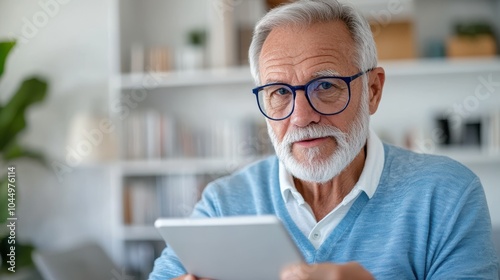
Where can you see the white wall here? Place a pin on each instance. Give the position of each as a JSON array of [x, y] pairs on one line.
[[67, 44]]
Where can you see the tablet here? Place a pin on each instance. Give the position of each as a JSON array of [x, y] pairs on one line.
[[231, 248]]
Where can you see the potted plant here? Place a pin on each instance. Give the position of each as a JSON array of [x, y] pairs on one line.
[[12, 122]]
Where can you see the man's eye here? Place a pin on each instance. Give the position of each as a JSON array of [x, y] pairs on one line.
[[325, 85], [282, 91]]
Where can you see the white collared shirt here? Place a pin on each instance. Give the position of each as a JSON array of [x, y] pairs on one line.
[[301, 212]]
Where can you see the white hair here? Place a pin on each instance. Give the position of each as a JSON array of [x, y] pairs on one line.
[[307, 12]]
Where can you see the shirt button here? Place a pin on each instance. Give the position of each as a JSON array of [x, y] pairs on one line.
[[316, 235]]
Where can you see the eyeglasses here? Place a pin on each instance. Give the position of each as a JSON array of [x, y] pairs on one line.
[[326, 95]]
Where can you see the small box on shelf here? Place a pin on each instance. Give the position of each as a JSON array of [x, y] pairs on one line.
[[395, 40], [467, 46], [472, 39]]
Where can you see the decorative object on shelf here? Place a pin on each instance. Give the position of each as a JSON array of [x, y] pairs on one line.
[[443, 127], [193, 54], [244, 39], [394, 40], [221, 44], [137, 58], [471, 39], [471, 133], [159, 59], [91, 139], [12, 122], [480, 131], [435, 48]]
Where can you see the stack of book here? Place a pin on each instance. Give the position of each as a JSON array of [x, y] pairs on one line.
[[152, 135], [147, 198]]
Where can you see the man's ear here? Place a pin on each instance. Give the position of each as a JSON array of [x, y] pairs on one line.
[[375, 85]]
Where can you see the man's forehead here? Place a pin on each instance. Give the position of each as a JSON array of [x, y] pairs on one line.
[[315, 46], [279, 67]]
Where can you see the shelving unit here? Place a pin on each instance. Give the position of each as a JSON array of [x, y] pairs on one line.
[[184, 103], [206, 96]]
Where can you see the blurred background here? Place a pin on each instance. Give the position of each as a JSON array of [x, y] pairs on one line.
[[148, 100]]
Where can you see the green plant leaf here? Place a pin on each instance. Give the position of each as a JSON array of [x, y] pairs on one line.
[[12, 115], [15, 151], [23, 255], [5, 48], [3, 200]]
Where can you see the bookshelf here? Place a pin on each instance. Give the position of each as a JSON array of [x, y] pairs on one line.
[[175, 176], [180, 126], [151, 107]]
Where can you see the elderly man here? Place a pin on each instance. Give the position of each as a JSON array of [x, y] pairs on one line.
[[356, 208]]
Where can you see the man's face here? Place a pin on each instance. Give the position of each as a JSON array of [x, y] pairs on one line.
[[315, 147]]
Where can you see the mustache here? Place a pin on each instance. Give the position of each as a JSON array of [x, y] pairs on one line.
[[312, 131]]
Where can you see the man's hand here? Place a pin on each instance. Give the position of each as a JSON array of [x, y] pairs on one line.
[[189, 277], [326, 271]]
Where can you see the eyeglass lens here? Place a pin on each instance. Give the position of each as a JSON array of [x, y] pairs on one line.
[[326, 95]]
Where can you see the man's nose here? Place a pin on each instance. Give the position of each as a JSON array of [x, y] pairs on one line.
[[303, 114]]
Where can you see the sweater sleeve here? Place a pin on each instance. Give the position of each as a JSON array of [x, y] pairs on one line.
[[168, 266], [464, 249]]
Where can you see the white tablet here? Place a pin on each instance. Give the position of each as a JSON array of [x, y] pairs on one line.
[[231, 248]]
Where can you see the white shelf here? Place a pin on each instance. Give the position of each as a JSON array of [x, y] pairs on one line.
[[141, 233], [184, 166], [204, 77], [470, 155], [241, 75], [440, 66]]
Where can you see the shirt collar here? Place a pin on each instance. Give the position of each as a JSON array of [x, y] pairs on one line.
[[368, 181]]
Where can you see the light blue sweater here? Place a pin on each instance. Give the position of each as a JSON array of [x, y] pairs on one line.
[[428, 219]]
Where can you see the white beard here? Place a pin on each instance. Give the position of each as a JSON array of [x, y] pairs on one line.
[[315, 169]]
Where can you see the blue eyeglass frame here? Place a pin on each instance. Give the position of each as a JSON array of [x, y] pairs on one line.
[[347, 80]]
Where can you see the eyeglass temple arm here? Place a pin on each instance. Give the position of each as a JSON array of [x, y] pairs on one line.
[[360, 74]]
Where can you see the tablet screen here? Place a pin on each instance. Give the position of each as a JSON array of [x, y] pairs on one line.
[[231, 248]]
